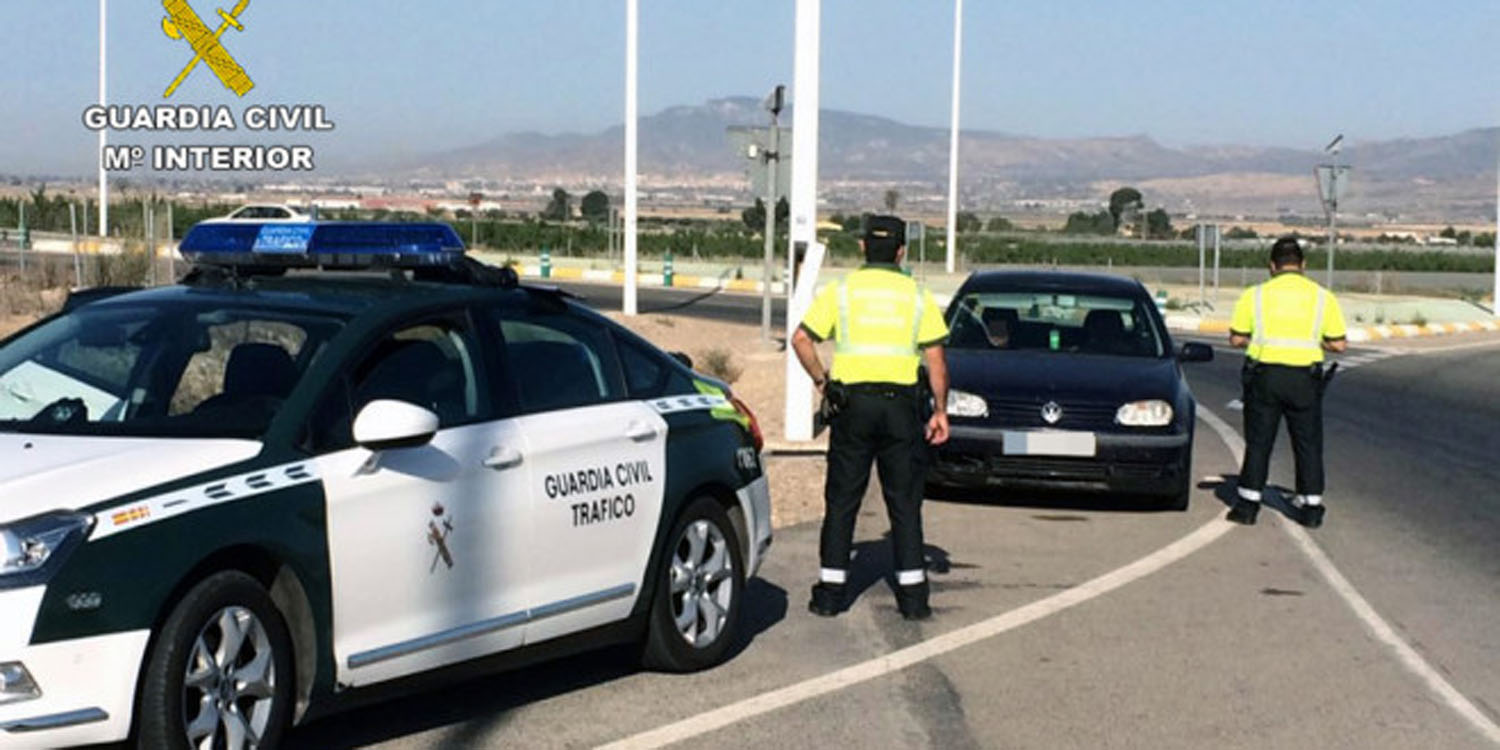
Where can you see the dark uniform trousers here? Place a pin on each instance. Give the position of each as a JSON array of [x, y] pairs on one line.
[[1273, 391], [880, 423]]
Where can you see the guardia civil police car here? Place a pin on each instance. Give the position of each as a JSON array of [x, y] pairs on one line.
[[228, 505]]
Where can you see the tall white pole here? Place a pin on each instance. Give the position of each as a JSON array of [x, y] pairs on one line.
[[103, 102], [1495, 300], [803, 234], [632, 31], [958, 47]]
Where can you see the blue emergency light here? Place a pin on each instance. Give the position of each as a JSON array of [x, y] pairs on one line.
[[322, 244]]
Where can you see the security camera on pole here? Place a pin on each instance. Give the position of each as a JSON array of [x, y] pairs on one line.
[[1332, 181]]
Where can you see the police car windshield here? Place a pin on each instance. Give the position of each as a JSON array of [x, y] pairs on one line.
[[1049, 321], [180, 369]]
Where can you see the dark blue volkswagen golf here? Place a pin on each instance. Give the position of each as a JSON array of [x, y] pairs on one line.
[[1067, 381]]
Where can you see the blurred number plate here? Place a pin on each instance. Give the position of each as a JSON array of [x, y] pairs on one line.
[[1049, 443]]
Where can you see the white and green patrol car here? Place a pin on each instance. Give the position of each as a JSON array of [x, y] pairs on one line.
[[227, 506]]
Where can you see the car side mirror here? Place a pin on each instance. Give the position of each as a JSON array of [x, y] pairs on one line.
[[683, 358], [386, 424], [1194, 352]]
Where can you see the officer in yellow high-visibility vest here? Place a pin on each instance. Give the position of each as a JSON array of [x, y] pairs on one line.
[[884, 325], [1285, 325]]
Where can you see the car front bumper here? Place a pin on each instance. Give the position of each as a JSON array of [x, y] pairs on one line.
[[1150, 464], [87, 684]]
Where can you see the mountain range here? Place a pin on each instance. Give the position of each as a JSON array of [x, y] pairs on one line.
[[1452, 176]]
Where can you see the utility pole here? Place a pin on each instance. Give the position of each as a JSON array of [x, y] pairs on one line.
[[1331, 174], [103, 138], [632, 34], [803, 228], [774, 104], [1495, 300], [958, 45]]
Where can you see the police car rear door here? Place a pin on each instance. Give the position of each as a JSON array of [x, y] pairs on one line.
[[427, 544], [597, 463]]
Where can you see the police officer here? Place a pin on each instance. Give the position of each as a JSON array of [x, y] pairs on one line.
[[884, 326], [1285, 325]]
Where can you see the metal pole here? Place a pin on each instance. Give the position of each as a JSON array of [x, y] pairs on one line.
[[774, 160], [632, 32], [1495, 300], [103, 102], [958, 43], [1333, 217], [24, 236], [73, 230], [1217, 236], [1202, 243], [151, 242], [171, 240]]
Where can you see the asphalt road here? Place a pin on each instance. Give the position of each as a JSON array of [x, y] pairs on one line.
[[1232, 637]]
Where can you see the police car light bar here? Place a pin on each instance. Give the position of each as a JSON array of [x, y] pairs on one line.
[[325, 244]]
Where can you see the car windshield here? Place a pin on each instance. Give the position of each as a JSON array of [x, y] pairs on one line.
[[1050, 321], [180, 369]]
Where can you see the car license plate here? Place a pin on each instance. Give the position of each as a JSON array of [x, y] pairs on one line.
[[1050, 443]]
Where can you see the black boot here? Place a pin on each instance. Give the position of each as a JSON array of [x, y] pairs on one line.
[[827, 599], [1244, 511], [912, 601], [1310, 516]]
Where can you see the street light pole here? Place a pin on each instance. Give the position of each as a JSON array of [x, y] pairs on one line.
[[958, 43], [632, 33], [103, 102], [1495, 299], [773, 161]]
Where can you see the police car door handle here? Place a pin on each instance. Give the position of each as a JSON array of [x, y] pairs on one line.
[[640, 432], [503, 458]]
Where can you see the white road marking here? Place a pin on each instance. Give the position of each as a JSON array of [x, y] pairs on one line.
[[772, 700], [1382, 630], [1387, 635], [1235, 405]]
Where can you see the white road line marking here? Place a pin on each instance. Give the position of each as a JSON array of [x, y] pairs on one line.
[[772, 700], [1235, 405], [1382, 631]]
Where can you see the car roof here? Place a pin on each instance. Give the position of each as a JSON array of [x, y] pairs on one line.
[[1068, 281], [341, 294]]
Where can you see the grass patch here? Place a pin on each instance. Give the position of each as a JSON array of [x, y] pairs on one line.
[[720, 364]]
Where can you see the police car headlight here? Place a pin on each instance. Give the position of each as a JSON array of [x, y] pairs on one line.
[[962, 404], [29, 548], [1152, 413]]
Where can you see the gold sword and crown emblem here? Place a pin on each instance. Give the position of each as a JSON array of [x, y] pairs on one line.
[[182, 22]]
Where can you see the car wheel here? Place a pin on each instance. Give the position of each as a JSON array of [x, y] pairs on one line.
[[220, 673], [1178, 501], [695, 616]]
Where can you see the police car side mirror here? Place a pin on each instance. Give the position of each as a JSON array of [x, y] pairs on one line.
[[386, 424], [1194, 352]]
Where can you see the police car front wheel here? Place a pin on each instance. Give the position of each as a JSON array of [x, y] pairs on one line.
[[696, 613], [220, 672]]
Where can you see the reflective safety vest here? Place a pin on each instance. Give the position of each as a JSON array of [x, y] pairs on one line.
[[880, 320], [1287, 320]]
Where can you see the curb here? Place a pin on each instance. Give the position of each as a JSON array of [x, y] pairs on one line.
[[1190, 324]]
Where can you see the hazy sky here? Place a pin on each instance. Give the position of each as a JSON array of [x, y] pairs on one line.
[[411, 77]]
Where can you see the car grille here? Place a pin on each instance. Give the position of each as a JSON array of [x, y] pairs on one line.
[[1075, 414]]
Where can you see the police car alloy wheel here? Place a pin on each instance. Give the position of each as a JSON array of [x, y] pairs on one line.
[[220, 673], [696, 614]]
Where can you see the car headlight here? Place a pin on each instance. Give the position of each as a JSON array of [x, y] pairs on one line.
[[1152, 413], [962, 404], [30, 548]]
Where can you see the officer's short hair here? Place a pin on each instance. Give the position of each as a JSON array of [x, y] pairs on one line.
[[883, 236], [1286, 252]]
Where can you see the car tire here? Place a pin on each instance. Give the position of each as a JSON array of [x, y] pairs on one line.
[[695, 615], [1178, 501], [187, 693]]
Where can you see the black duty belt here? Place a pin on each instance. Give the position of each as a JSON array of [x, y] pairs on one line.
[[883, 390]]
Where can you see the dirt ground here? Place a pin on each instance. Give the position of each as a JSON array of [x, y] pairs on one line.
[[758, 369]]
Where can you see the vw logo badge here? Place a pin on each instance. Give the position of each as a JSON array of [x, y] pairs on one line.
[[1051, 412]]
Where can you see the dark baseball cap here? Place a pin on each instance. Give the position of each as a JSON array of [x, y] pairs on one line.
[[885, 228]]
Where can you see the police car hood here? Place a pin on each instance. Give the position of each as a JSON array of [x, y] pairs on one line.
[[40, 473]]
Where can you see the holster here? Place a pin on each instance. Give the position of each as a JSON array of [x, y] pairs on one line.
[[835, 400]]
